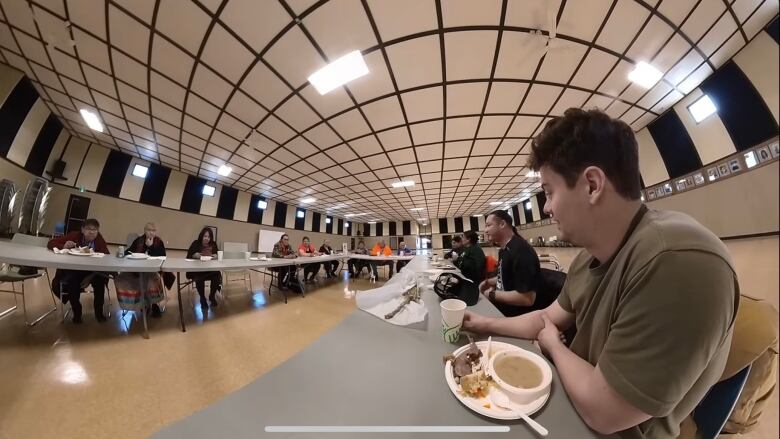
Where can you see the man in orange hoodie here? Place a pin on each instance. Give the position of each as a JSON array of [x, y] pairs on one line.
[[381, 249]]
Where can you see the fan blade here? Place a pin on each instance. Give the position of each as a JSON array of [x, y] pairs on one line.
[[552, 15]]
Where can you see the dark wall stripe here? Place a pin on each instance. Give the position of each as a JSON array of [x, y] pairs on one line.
[[541, 200], [44, 143], [459, 224], [226, 207], [340, 230], [516, 214], [675, 145], [255, 215], [13, 112], [280, 214], [300, 222], [328, 225], [380, 229], [193, 194], [366, 229], [407, 227], [316, 218], [443, 225], [740, 107], [529, 214], [392, 229], [474, 222], [154, 185], [774, 30], [113, 175], [349, 228]]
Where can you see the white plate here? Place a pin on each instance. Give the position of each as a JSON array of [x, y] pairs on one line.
[[478, 404], [137, 256], [75, 252]]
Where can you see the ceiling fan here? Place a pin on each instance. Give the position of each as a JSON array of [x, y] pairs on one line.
[[542, 43]]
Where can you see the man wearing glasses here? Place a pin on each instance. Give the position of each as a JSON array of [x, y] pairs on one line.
[[67, 284]]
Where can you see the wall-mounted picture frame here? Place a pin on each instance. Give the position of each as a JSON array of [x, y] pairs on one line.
[[680, 184], [698, 179], [774, 148], [689, 181], [651, 195], [734, 166], [723, 169], [750, 159], [659, 191], [763, 154], [712, 174], [667, 188]]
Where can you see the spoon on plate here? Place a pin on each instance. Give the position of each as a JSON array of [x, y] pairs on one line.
[[500, 399]]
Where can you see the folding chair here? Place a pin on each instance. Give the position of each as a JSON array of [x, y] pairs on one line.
[[9, 275], [236, 250], [714, 410]]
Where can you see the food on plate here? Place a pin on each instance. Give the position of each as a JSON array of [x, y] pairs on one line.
[[518, 372], [468, 372], [84, 249]]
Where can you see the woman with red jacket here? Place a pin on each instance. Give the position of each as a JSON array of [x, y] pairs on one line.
[[67, 284]]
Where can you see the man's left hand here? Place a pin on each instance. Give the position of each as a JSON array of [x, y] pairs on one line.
[[549, 337]]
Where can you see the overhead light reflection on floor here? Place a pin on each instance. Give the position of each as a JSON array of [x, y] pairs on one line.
[[258, 300], [71, 372]]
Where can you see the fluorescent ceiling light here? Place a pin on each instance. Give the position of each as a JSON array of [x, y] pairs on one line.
[[349, 215], [645, 75], [372, 222], [496, 203], [533, 174], [261, 204], [140, 171], [224, 170], [416, 209], [209, 190], [308, 200], [92, 120], [406, 183], [347, 68], [300, 214], [527, 205], [479, 214], [702, 108]]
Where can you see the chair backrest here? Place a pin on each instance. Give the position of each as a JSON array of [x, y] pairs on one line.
[[131, 237], [239, 247], [714, 410], [35, 241]]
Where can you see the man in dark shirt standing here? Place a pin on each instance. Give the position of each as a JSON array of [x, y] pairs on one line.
[[516, 289]]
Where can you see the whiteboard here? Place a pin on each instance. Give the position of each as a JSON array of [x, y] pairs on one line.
[[266, 240]]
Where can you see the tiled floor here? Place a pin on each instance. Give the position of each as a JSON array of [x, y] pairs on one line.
[[98, 380]]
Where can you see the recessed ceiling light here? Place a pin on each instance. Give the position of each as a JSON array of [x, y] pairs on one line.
[[224, 170], [347, 68], [308, 200], [349, 215], [209, 190], [140, 171], [416, 209], [533, 174], [262, 204], [92, 120], [372, 222], [406, 183], [496, 203], [476, 215], [528, 205], [702, 108], [645, 75]]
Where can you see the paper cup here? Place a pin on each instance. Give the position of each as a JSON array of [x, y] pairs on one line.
[[220, 255], [452, 311], [247, 255]]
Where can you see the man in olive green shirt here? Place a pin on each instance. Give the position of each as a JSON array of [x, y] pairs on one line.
[[653, 295]]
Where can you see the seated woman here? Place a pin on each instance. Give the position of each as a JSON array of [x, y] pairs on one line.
[[472, 259], [308, 250], [330, 266], [67, 284], [127, 283], [205, 246], [356, 265], [282, 249]]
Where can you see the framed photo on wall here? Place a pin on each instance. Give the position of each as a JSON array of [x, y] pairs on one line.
[[668, 188], [764, 154], [750, 159], [774, 148], [723, 169], [659, 191], [713, 174], [734, 166], [689, 181], [680, 185], [698, 179], [651, 194]]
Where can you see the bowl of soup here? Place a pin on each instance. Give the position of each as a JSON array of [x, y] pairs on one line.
[[524, 375]]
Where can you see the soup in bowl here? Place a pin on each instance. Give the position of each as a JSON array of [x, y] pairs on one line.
[[524, 375]]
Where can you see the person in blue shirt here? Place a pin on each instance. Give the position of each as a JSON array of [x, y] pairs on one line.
[[402, 251]]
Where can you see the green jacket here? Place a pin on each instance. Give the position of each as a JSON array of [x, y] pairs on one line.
[[472, 263]]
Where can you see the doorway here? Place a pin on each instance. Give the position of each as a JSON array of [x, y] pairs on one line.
[[76, 214]]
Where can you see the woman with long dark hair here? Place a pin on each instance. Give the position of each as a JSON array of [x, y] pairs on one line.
[[205, 245]]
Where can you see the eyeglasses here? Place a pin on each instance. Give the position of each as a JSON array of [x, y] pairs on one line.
[[90, 229]]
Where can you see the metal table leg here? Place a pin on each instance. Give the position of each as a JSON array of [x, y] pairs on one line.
[[181, 308]]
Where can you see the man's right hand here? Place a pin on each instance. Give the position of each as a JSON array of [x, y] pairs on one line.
[[475, 322], [70, 244]]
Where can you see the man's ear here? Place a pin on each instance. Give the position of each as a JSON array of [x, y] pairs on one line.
[[595, 182]]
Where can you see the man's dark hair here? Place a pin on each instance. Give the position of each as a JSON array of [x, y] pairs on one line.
[[457, 238], [471, 236], [504, 216], [91, 222], [305, 238], [582, 138]]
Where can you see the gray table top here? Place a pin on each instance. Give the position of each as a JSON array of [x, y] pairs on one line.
[[181, 264], [366, 372], [42, 257]]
